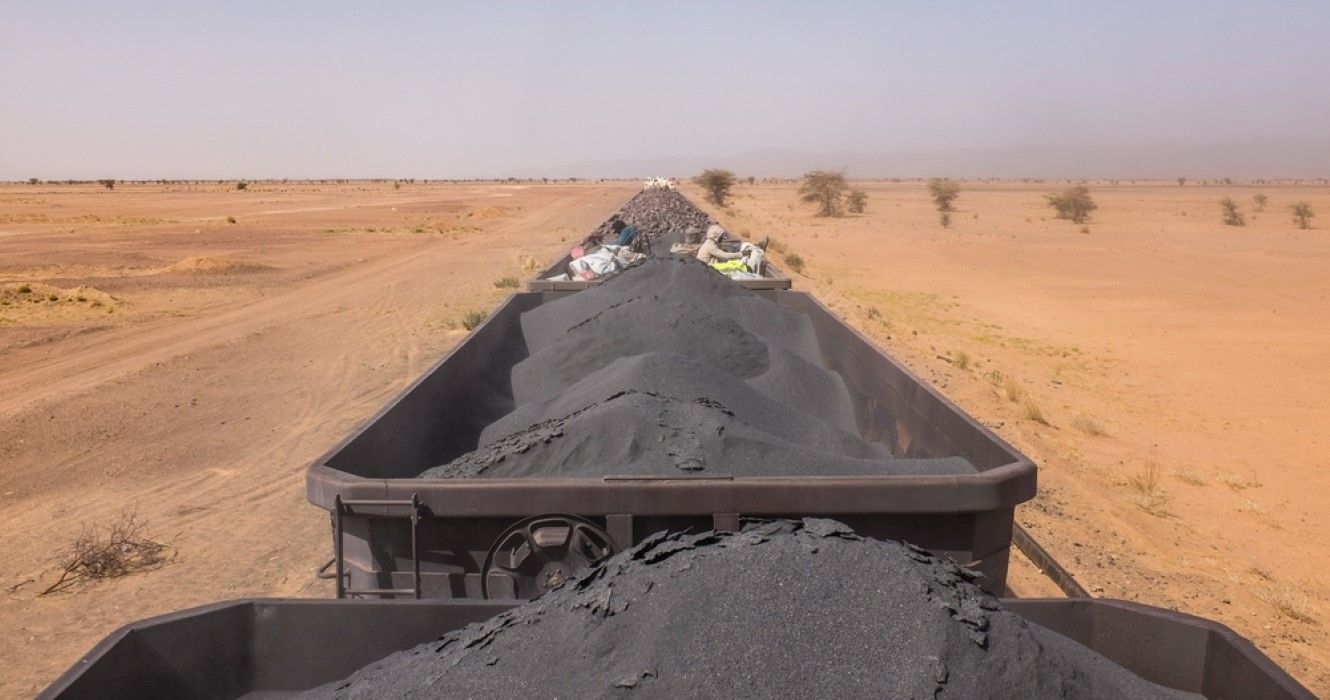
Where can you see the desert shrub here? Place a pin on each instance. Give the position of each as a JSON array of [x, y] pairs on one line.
[[1232, 217], [961, 359], [1302, 215], [1013, 390], [752, 180], [1182, 181], [857, 202], [945, 219], [1033, 412], [25, 289], [1089, 425], [107, 183], [794, 262], [944, 193], [1149, 488], [230, 219], [242, 185], [1260, 200], [53, 297], [826, 189], [473, 318], [120, 548], [1074, 204], [508, 282], [716, 183]]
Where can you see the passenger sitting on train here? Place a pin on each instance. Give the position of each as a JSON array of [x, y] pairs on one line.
[[625, 232], [711, 252]]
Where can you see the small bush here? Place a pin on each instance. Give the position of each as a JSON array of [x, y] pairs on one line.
[[794, 262], [509, 282], [1150, 494], [242, 185], [1260, 200], [825, 188], [857, 202], [1074, 204], [1013, 390], [108, 184], [1033, 412], [121, 548], [1190, 476], [473, 318], [53, 297], [1289, 602], [961, 359], [230, 219], [1232, 217], [1302, 215], [945, 219], [1089, 425], [25, 289]]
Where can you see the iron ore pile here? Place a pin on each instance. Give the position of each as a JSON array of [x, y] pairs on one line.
[[669, 368], [780, 609], [662, 213]]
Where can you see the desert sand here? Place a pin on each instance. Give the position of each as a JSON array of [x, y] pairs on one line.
[[190, 368]]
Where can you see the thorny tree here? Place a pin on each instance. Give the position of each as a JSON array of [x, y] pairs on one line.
[[826, 189]]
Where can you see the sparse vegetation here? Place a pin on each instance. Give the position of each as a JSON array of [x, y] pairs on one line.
[[716, 182], [1074, 204], [25, 289], [1085, 229], [1013, 390], [1190, 476], [1232, 217], [944, 193], [794, 262], [1033, 412], [776, 246], [473, 318], [857, 202], [1302, 215], [121, 548], [1238, 482], [1289, 602], [1149, 489], [507, 282], [826, 189], [242, 185], [107, 183], [1182, 181], [1260, 200], [230, 219], [961, 359], [1089, 425]]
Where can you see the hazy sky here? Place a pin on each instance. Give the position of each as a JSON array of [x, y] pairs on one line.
[[433, 89]]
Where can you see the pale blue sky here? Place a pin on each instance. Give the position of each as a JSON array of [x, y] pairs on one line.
[[294, 89]]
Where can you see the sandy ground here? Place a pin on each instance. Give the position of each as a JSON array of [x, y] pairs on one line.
[[1180, 366], [197, 393], [190, 368]]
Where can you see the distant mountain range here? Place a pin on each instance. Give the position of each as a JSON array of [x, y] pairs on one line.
[[1251, 159]]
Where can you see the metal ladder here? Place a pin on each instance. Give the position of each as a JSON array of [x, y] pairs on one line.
[[346, 507]]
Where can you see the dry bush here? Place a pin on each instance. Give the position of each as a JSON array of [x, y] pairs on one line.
[[1232, 217], [776, 246], [1089, 425], [717, 183], [1238, 482], [530, 264], [1290, 602], [1260, 200], [120, 548], [1302, 215], [473, 318], [230, 219], [794, 262], [1013, 389], [1190, 476], [1033, 412], [1150, 494], [826, 188], [1074, 204], [857, 201], [507, 282], [961, 359]]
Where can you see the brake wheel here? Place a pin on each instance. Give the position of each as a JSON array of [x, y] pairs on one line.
[[540, 554]]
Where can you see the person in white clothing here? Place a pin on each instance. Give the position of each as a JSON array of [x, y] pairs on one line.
[[711, 251]]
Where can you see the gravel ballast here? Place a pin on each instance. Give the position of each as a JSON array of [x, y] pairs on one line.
[[781, 609]]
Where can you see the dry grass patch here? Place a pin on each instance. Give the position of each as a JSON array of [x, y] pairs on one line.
[[473, 318], [1089, 425], [1238, 482], [508, 282], [1013, 390], [1190, 476], [116, 550], [1033, 412], [1290, 602], [794, 262], [961, 359], [1148, 487]]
